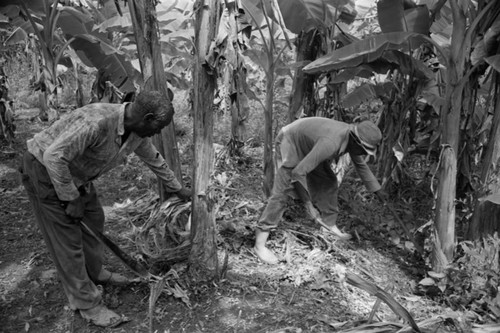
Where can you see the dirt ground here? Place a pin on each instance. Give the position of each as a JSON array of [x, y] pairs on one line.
[[304, 293]]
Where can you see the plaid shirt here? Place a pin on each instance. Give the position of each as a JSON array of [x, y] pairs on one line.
[[86, 143]]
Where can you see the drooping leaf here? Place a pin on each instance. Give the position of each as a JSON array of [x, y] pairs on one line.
[[494, 198], [362, 51], [366, 92], [34, 5], [116, 23], [399, 16], [390, 14], [304, 15], [257, 56], [384, 296], [478, 54], [494, 61], [252, 9], [393, 17], [17, 36], [349, 73], [417, 19], [361, 94], [116, 67], [3, 18], [95, 50], [408, 64]]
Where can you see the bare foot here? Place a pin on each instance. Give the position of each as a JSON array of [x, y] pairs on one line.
[[100, 315], [336, 231], [106, 276], [266, 255]]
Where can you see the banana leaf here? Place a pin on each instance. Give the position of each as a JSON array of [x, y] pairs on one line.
[[304, 15], [314, 13], [363, 51], [494, 61], [92, 47], [17, 36], [367, 92], [96, 50], [393, 17]]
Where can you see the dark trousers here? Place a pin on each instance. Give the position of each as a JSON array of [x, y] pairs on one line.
[[76, 254], [322, 186]]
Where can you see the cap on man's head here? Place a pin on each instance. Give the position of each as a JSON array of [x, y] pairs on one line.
[[369, 136]]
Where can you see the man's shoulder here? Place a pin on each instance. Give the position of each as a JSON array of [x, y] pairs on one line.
[[103, 109], [96, 112], [307, 121]]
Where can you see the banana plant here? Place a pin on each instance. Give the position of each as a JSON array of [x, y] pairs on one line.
[[42, 18], [315, 22], [267, 50], [226, 61], [396, 56], [380, 54], [57, 28], [470, 23]]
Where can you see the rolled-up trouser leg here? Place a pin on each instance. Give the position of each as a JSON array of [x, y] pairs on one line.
[[323, 186], [276, 204], [62, 235]]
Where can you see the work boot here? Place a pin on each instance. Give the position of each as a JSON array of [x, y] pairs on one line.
[[265, 255]]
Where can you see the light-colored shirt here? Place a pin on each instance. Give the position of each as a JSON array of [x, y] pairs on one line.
[[86, 143], [308, 142]]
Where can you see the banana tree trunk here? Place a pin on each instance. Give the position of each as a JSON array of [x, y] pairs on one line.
[[203, 262], [486, 218], [268, 131], [450, 119], [302, 95], [145, 23], [239, 114], [239, 108]]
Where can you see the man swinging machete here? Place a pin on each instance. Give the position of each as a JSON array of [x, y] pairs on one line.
[[304, 152], [58, 169]]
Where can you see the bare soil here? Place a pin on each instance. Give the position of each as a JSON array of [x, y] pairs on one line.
[[303, 293]]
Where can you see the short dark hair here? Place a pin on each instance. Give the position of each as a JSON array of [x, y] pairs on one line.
[[156, 103]]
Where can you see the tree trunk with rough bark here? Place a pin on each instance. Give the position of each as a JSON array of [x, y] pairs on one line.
[[203, 261], [144, 20]]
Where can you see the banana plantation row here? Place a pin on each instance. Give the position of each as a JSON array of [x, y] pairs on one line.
[[426, 71]]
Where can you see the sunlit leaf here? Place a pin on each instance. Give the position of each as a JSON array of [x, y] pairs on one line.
[[494, 198], [436, 275], [494, 61], [257, 57], [3, 18], [118, 22], [364, 71], [427, 282], [17, 36], [363, 93]]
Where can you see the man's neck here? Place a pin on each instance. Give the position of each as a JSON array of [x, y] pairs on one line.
[[127, 119], [125, 136]]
